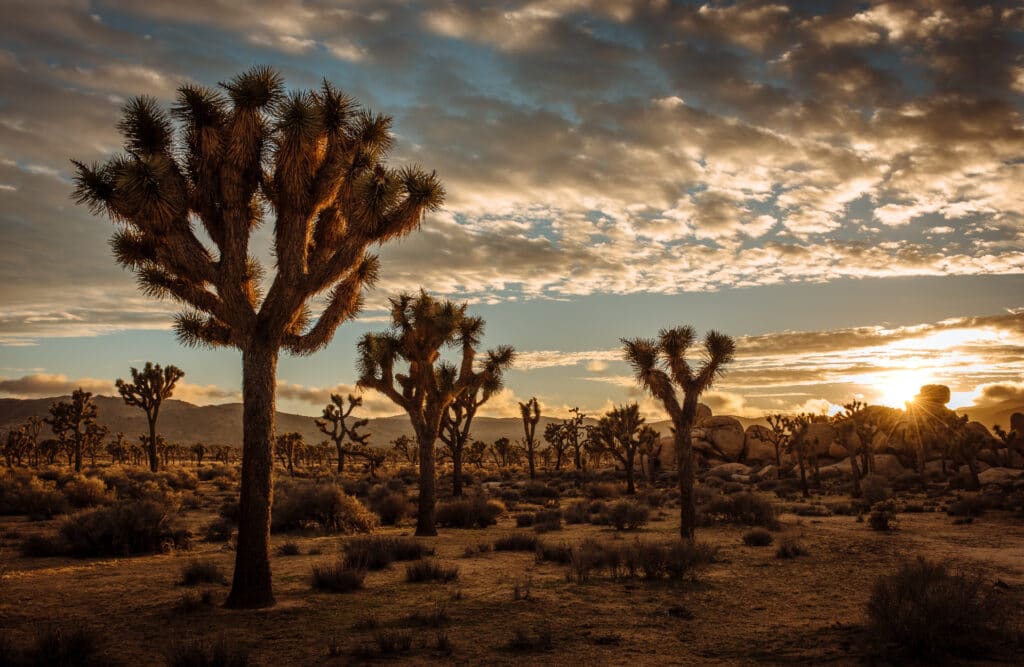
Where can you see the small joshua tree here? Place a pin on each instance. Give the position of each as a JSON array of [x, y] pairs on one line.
[[147, 390], [420, 326], [661, 367], [622, 433], [71, 422], [333, 426], [556, 434], [316, 162], [530, 412], [481, 383], [289, 447]]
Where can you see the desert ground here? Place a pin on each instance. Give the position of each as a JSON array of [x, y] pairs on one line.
[[748, 606]]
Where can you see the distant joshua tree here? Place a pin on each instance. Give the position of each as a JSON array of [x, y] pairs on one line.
[[147, 390], [557, 437], [406, 450], [289, 448], [530, 412], [420, 326], [622, 433], [661, 367], [333, 426], [316, 162], [71, 422], [481, 383]]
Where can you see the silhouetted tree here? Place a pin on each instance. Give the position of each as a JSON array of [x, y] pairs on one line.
[[475, 453], [776, 434], [406, 449], [556, 434], [315, 161], [621, 433], [70, 421], [289, 447], [334, 415], [504, 452], [530, 412], [421, 326], [147, 390], [661, 367], [480, 385], [577, 436]]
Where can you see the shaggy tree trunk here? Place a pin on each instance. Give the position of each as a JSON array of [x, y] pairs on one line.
[[251, 587], [684, 464], [154, 463], [341, 458], [855, 470], [78, 453], [803, 476], [457, 467], [529, 456], [630, 488], [425, 516]]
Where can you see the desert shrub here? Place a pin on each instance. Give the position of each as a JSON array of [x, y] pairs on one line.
[[289, 548], [385, 643], [535, 490], [602, 491], [219, 471], [229, 510], [24, 493], [516, 542], [523, 641], [925, 611], [875, 488], [880, 520], [66, 647], [578, 512], [197, 571], [547, 520], [434, 618], [970, 505], [199, 653], [476, 549], [809, 509], [219, 530], [524, 520], [757, 537], [473, 512], [392, 507], [427, 570], [554, 553], [179, 479], [337, 577], [193, 601], [376, 552], [746, 509], [626, 515], [654, 499], [675, 559], [322, 507], [790, 547], [87, 492], [43, 546], [125, 528]]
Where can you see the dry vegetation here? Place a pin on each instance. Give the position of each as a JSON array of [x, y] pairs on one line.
[[558, 570]]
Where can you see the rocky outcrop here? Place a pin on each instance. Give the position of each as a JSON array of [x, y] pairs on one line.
[[999, 476], [723, 437], [820, 436]]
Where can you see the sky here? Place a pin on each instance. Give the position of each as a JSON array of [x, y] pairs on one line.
[[835, 184]]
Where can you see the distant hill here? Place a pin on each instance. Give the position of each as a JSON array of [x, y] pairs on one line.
[[999, 413], [182, 422]]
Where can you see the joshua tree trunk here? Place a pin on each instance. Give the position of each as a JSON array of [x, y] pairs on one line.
[[684, 464], [425, 517], [803, 476], [251, 587], [457, 467], [154, 463], [630, 488], [341, 458], [855, 470], [78, 452]]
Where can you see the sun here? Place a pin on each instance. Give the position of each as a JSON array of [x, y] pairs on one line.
[[897, 389]]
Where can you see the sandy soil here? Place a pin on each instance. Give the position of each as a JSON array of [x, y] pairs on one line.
[[749, 607]]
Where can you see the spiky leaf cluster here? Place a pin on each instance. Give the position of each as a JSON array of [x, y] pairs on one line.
[[314, 160]]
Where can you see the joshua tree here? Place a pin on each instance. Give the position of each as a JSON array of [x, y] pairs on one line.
[[661, 367], [289, 448], [504, 452], [577, 436], [147, 390], [421, 326], [316, 162], [335, 414], [530, 412], [71, 421], [475, 453], [777, 434], [556, 434], [406, 450], [621, 433], [480, 384]]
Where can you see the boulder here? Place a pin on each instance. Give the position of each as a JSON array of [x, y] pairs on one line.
[[725, 435], [727, 470], [841, 469], [820, 436], [703, 412], [888, 465], [837, 451], [759, 449], [768, 472], [999, 476]]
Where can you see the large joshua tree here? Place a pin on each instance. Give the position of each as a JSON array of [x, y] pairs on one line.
[[74, 423], [147, 390], [481, 382], [420, 326], [661, 368], [315, 162]]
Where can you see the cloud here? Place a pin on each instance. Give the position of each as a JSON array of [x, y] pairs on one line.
[[308, 399], [45, 385], [990, 394]]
